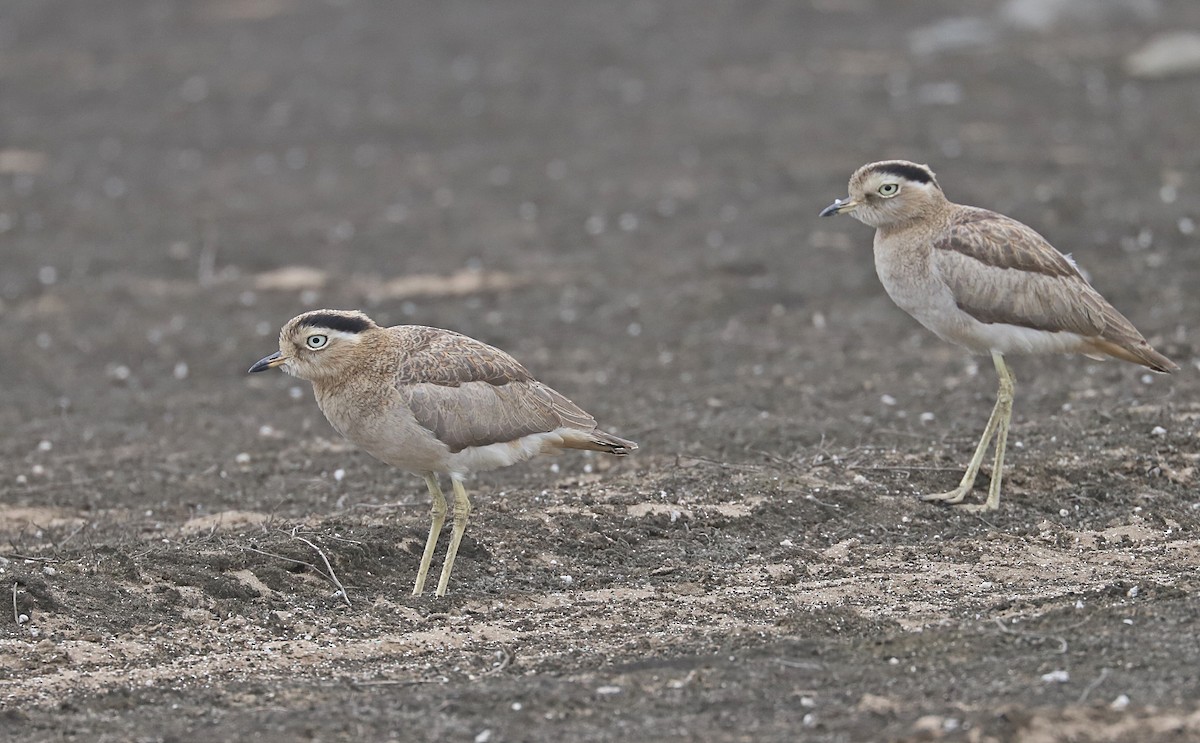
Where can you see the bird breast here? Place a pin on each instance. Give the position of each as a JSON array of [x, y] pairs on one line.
[[903, 263], [385, 428]]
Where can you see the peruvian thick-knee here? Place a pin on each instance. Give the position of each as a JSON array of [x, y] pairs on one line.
[[432, 402], [984, 281]]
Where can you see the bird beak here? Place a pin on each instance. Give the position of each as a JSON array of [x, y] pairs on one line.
[[270, 362], [839, 206]]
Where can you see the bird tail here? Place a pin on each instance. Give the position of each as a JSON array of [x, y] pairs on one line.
[[597, 440]]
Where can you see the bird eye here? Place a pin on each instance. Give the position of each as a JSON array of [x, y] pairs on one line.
[[889, 189], [317, 341]]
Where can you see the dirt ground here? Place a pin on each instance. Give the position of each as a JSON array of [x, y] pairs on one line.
[[624, 196]]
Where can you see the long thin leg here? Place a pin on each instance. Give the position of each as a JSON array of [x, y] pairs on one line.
[[956, 496], [462, 509], [1008, 384], [435, 529]]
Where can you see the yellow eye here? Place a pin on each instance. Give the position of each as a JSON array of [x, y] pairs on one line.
[[316, 342], [889, 189]]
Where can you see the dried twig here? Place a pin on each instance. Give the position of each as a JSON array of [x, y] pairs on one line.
[[803, 664], [506, 657], [16, 614], [30, 558], [332, 575], [1062, 641], [285, 559], [1092, 686], [397, 682]]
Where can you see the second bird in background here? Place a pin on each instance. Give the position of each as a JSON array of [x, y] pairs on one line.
[[431, 401], [986, 282]]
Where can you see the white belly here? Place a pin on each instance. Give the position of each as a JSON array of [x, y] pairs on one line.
[[917, 290]]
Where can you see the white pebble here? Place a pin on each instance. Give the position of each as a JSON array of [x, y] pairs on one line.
[[47, 570], [242, 458], [887, 400], [1056, 677], [566, 579], [295, 393], [44, 445], [339, 474], [1063, 512], [181, 370], [927, 417], [594, 225], [1119, 703], [608, 690], [22, 619], [266, 431], [484, 736], [517, 706], [786, 543], [1158, 431]]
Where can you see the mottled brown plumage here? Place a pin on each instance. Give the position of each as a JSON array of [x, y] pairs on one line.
[[431, 401], [986, 282], [1031, 285]]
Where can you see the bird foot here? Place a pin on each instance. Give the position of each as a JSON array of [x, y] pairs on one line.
[[978, 507], [954, 497]]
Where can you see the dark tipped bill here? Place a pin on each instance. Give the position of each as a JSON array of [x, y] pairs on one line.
[[269, 362], [838, 206]]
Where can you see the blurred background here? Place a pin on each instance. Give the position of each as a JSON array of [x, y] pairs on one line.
[[623, 195]]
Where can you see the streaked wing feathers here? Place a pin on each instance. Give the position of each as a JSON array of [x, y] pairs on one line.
[[471, 394], [1001, 271]]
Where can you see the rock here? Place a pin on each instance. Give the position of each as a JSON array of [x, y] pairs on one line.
[[1046, 15], [1166, 55]]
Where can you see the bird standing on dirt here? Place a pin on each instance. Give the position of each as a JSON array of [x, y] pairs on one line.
[[986, 282], [431, 401]]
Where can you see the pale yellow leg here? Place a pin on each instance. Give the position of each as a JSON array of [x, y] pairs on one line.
[[435, 529], [462, 509], [997, 426], [1008, 384]]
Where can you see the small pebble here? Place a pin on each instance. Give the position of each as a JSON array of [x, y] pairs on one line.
[[1158, 431], [1119, 703], [242, 458], [1056, 677]]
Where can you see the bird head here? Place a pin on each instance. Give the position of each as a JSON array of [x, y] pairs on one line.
[[318, 344], [888, 193]]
